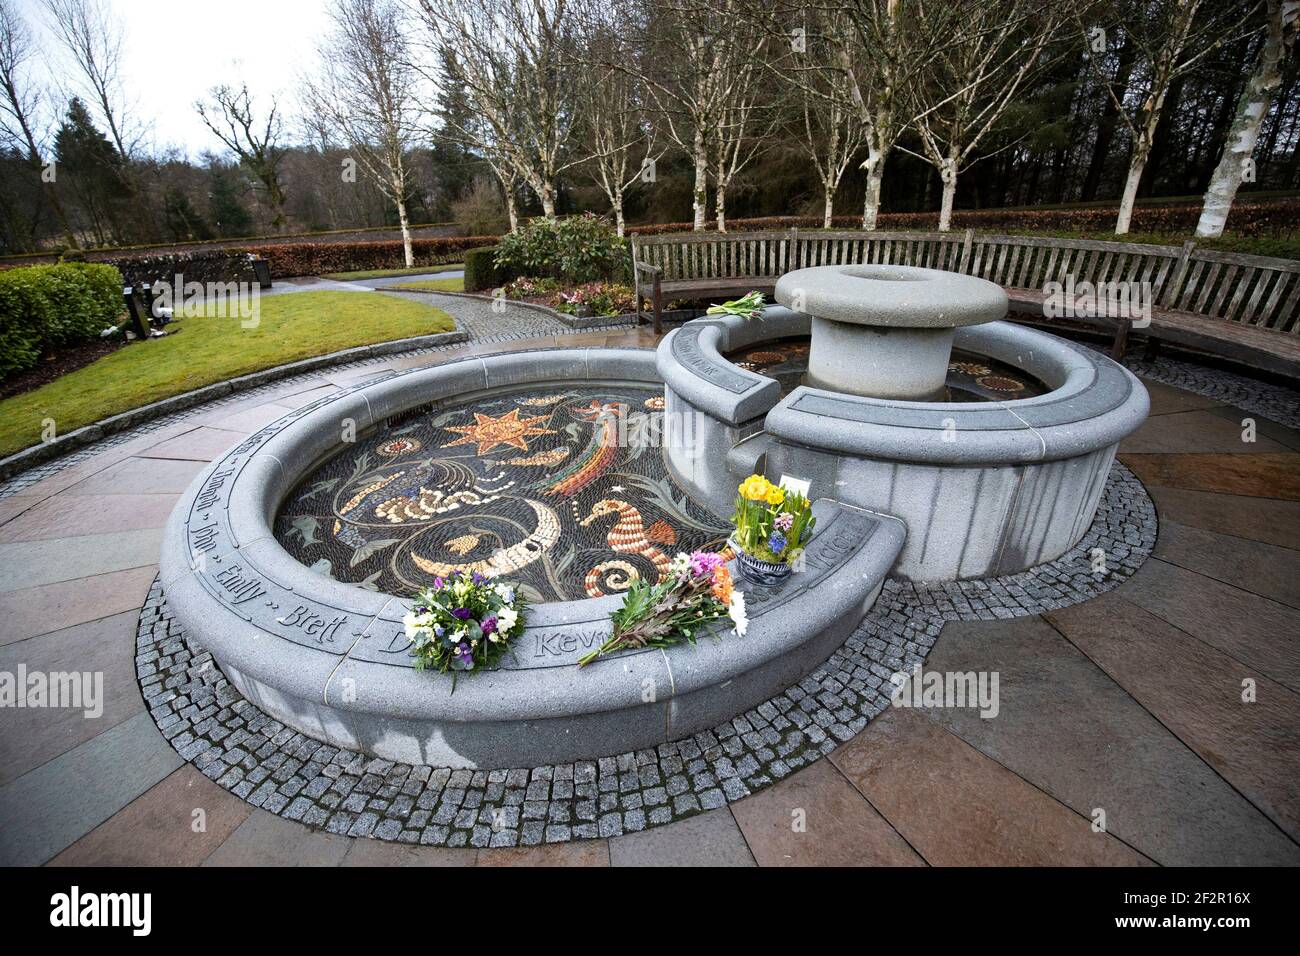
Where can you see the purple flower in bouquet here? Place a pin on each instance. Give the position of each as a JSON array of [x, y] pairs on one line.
[[437, 584], [466, 655], [477, 578], [776, 541], [784, 521], [489, 625], [704, 562], [461, 612]]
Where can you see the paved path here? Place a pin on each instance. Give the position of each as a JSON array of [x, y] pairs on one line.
[[1128, 706]]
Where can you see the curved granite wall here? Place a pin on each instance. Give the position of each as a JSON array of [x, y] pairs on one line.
[[983, 488]]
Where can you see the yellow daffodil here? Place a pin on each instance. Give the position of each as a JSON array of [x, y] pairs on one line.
[[775, 495], [754, 488]]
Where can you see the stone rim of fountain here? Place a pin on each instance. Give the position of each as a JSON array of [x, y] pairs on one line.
[[331, 660], [892, 296]]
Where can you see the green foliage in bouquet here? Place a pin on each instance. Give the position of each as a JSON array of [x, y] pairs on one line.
[[747, 307], [696, 591]]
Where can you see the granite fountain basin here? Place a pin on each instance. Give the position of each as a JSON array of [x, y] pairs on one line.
[[330, 659], [984, 488]]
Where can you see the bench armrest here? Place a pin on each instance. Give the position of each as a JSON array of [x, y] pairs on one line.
[[649, 270]]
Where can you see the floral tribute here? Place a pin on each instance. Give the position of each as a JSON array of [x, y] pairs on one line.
[[747, 307], [696, 590], [463, 622], [772, 523]]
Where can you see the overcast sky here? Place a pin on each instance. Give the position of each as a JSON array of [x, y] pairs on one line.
[[178, 49]]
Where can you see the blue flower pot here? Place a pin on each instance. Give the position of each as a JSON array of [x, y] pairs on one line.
[[766, 573]]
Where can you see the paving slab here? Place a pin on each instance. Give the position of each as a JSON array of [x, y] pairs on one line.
[[1194, 432], [61, 801], [52, 607], [1254, 630], [31, 564], [364, 852], [103, 653], [264, 839], [1264, 569], [1197, 692], [1274, 475], [64, 515], [1064, 726], [816, 818], [250, 417], [202, 443], [177, 822], [1254, 519], [957, 807], [710, 839], [577, 853], [1279, 433], [140, 476], [1166, 400], [15, 505]]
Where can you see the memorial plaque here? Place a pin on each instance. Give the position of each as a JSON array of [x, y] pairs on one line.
[[687, 351]]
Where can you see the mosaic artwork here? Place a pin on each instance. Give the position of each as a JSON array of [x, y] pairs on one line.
[[971, 377], [564, 491]]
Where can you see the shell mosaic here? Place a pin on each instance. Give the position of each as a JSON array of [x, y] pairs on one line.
[[563, 490]]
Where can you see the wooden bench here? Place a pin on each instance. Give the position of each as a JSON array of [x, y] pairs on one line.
[[1245, 308]]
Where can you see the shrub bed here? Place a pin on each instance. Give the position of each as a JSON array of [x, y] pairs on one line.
[[44, 307]]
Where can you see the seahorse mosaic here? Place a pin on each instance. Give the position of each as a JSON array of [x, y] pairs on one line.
[[563, 490]]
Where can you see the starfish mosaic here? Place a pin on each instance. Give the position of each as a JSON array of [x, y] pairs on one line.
[[488, 432]]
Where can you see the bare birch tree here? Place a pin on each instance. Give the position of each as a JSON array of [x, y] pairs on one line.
[[691, 69], [617, 135], [1171, 38], [1256, 99], [828, 127], [20, 104], [366, 93], [974, 80], [514, 61], [91, 35], [877, 51], [232, 117]]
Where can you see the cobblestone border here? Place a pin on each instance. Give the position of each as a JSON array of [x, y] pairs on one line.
[[285, 772]]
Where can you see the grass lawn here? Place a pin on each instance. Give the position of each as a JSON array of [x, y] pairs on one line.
[[386, 273], [203, 350], [434, 285]]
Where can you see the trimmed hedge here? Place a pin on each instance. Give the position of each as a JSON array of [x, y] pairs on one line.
[[320, 258], [1264, 217], [482, 274], [43, 307]]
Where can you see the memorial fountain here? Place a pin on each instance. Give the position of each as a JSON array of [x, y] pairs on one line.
[[908, 479]]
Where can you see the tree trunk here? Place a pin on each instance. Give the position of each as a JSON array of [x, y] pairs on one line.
[[828, 204], [875, 168], [617, 203], [700, 197], [1251, 110], [1141, 149], [547, 195], [948, 173], [512, 210], [408, 251], [720, 196]]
